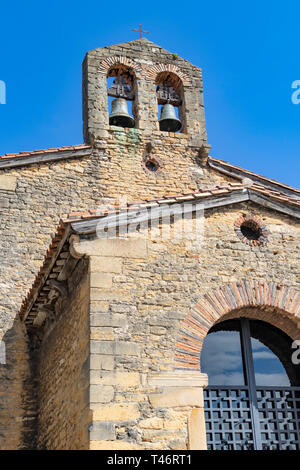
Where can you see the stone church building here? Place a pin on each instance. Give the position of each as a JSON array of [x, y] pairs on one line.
[[165, 311]]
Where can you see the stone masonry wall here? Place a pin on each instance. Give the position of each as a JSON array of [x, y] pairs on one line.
[[145, 60], [141, 291], [63, 372], [17, 391], [32, 200], [137, 303]]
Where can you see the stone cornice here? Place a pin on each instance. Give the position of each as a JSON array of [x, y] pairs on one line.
[[184, 378]]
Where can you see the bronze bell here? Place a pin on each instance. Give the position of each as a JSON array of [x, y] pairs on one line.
[[168, 119], [119, 115]]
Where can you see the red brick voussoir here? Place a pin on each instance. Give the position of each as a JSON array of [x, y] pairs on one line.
[[216, 303]]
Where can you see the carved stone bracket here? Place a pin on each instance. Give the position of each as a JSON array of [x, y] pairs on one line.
[[74, 242], [60, 286]]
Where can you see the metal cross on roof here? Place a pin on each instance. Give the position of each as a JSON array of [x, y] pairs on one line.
[[140, 31]]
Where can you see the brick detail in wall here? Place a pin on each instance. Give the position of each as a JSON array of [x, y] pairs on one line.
[[110, 62], [149, 73], [153, 71], [217, 302]]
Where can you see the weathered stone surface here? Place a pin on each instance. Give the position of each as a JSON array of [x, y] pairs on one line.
[[108, 319], [151, 423], [102, 347], [99, 362], [114, 445], [116, 412], [102, 333], [172, 397], [101, 280], [147, 61], [142, 290], [4, 202], [179, 378], [8, 182], [127, 348], [63, 374], [197, 432], [101, 393], [121, 248], [102, 431], [109, 294]]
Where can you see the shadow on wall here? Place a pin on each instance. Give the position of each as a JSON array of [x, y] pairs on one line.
[[17, 391]]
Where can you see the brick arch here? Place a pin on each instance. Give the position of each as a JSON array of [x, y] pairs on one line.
[[152, 72], [112, 61], [218, 303]]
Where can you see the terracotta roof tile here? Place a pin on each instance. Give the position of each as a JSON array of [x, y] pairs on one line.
[[250, 173], [50, 150]]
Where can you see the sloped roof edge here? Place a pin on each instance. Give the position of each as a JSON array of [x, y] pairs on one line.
[[83, 223], [12, 160], [240, 173]]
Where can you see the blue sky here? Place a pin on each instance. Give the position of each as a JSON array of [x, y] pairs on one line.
[[249, 53]]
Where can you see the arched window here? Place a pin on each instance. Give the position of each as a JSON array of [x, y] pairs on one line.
[[169, 93], [253, 397], [121, 94]]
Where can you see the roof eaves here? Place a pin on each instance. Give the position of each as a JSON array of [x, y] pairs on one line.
[[239, 173], [42, 156]]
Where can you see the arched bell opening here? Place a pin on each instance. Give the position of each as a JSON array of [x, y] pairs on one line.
[[121, 85], [169, 94], [253, 396]]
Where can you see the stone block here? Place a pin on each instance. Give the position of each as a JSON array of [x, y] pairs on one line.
[[119, 348], [114, 445], [98, 306], [102, 347], [177, 396], [102, 431], [99, 361], [105, 264], [177, 444], [101, 280], [119, 247], [8, 183], [175, 424], [108, 319], [182, 378], [151, 423], [120, 379], [102, 333], [101, 393], [109, 294], [116, 412]]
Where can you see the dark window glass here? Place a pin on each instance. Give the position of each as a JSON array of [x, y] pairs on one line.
[[268, 369], [221, 358]]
